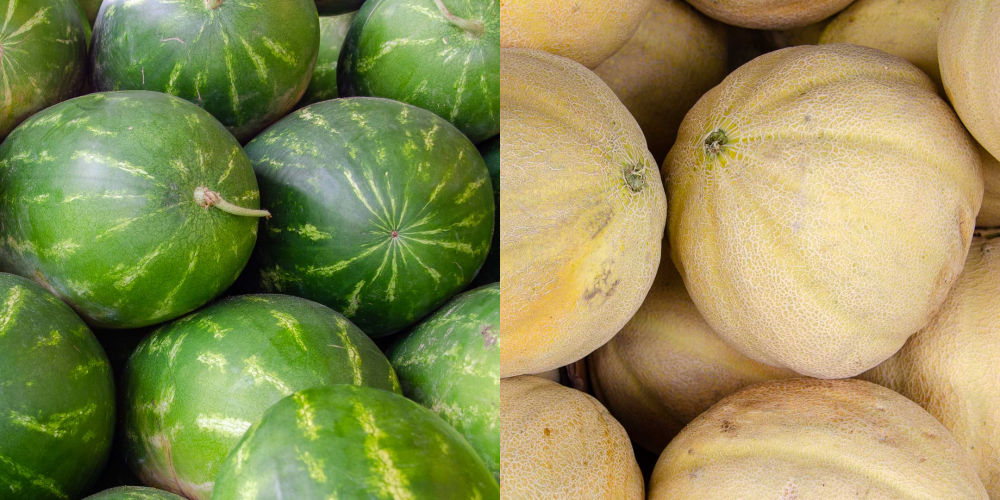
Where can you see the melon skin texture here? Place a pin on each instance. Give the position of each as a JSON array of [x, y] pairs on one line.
[[134, 493], [950, 366], [667, 366], [194, 386], [586, 32], [769, 14], [822, 201], [969, 55], [808, 438], [558, 442], [904, 28], [343, 441], [989, 214], [57, 405], [332, 31], [674, 57], [582, 212]]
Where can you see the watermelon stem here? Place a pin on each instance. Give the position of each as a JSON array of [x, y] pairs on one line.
[[206, 198], [474, 27]]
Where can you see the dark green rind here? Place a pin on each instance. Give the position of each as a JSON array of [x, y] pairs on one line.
[[247, 62], [90, 8], [334, 7], [353, 442], [407, 50], [490, 273], [134, 493], [332, 30], [56, 396], [43, 57], [449, 364], [97, 204], [340, 176], [195, 385]]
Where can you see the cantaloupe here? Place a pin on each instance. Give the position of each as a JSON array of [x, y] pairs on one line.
[[582, 211], [815, 439], [822, 201], [675, 56], [989, 214], [769, 14], [557, 442], [950, 368]]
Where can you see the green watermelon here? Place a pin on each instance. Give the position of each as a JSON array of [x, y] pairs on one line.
[[490, 273], [195, 385], [43, 56], [103, 200], [332, 30], [245, 61], [90, 8], [382, 210], [448, 364], [443, 56], [352, 442], [56, 396], [134, 493], [333, 7]]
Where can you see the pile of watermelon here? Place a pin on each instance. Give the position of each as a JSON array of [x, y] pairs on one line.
[[248, 249]]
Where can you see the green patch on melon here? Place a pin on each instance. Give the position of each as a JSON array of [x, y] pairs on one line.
[[332, 30]]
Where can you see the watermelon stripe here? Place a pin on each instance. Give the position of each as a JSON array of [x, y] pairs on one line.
[[227, 426], [252, 367], [306, 416], [388, 479], [33, 478]]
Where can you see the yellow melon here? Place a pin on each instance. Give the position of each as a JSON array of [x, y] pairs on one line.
[[905, 28], [989, 214], [822, 201], [667, 366], [582, 211], [969, 55], [769, 14], [950, 368], [557, 442], [587, 32], [815, 439], [674, 57]]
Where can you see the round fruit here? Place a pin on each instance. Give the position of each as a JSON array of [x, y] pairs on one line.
[[674, 57], [245, 61], [194, 386], [443, 58], [383, 210], [56, 396], [334, 7], [769, 14], [582, 210], [667, 366], [43, 57], [989, 214], [822, 201], [332, 31], [557, 442], [448, 364], [950, 366], [104, 199], [807, 438], [134, 493], [353, 442], [490, 272], [587, 32]]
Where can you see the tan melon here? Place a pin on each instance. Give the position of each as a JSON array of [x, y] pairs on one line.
[[667, 366], [815, 439], [950, 368], [674, 57], [587, 32], [582, 211], [969, 55], [769, 14], [904, 28], [989, 214], [557, 442], [822, 201]]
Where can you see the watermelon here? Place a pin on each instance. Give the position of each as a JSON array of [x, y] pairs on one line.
[[440, 55], [195, 385], [43, 56], [104, 200], [56, 396], [383, 210], [344, 441], [245, 61], [448, 364], [332, 30], [490, 272], [90, 8], [333, 7], [134, 493]]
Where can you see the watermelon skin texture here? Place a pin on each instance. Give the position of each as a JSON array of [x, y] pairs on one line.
[[43, 57], [407, 50], [97, 204], [134, 493], [57, 402], [334, 7], [247, 62], [332, 30], [90, 8], [490, 272], [382, 210], [353, 442], [448, 364], [194, 386]]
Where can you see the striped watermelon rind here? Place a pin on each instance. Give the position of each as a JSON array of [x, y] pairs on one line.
[[332, 31], [133, 493]]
